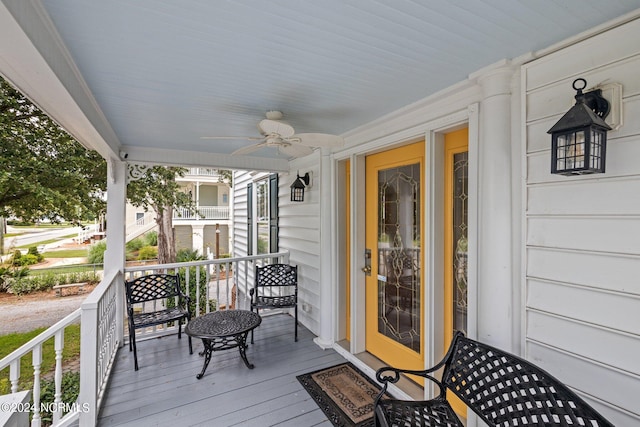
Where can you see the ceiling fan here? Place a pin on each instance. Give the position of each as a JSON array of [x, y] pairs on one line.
[[282, 135]]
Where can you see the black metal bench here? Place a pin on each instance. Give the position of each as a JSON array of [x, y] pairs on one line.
[[151, 288], [502, 389]]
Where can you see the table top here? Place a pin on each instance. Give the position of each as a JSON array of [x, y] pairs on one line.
[[223, 323]]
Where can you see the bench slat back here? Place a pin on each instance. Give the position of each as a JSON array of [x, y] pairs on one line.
[[152, 287], [505, 390]]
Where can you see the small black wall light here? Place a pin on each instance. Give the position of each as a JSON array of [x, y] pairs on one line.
[[298, 186], [579, 139]]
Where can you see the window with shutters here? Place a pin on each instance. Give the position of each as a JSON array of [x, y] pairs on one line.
[[262, 219]]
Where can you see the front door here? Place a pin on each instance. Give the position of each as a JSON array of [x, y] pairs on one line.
[[394, 233]]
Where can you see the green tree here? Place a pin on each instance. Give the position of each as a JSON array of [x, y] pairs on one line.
[[44, 172], [157, 189]]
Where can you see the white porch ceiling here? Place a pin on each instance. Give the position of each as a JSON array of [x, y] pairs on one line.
[[160, 74]]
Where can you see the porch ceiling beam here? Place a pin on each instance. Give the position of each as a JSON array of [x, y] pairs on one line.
[[201, 159]]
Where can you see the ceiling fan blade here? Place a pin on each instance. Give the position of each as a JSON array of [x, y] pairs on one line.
[[322, 140], [249, 149], [248, 138], [268, 127], [295, 150]]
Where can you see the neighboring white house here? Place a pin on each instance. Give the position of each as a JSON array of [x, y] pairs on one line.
[[206, 231]]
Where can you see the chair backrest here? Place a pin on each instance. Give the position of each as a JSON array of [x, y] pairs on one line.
[[511, 390], [276, 275], [152, 287]]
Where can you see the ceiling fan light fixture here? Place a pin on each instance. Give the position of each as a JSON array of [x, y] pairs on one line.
[[273, 115]]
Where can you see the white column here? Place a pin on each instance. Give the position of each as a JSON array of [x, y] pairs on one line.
[[327, 317], [115, 255], [495, 284]]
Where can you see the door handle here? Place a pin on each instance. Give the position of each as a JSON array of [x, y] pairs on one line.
[[367, 262]]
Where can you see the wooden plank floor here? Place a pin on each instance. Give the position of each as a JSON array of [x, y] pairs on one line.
[[165, 391]]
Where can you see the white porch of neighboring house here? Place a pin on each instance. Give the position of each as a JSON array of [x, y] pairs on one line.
[[550, 262]]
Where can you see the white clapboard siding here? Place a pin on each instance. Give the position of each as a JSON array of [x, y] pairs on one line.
[[605, 197], [544, 102], [556, 298], [612, 46], [299, 233], [595, 343], [605, 271], [607, 234], [584, 374], [582, 233]]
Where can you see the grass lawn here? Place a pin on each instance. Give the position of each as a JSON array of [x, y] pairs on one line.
[[11, 342], [70, 253], [45, 242]]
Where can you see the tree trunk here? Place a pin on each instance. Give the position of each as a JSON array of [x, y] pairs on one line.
[[166, 240]]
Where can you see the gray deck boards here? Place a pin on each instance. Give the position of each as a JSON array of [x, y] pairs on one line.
[[165, 391]]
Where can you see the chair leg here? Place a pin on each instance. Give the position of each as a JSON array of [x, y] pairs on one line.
[[252, 329], [132, 339], [296, 320]]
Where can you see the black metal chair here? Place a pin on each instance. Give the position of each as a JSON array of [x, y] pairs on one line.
[[150, 288], [275, 286]]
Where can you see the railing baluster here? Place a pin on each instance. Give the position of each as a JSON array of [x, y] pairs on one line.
[[14, 374], [57, 396], [37, 363]]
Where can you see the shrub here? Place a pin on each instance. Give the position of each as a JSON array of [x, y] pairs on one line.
[[70, 392], [34, 251], [135, 244], [151, 238], [96, 252], [46, 281], [9, 275], [28, 259], [148, 252], [195, 282]]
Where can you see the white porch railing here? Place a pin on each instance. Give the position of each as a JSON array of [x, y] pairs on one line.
[[102, 317], [34, 347], [204, 212]]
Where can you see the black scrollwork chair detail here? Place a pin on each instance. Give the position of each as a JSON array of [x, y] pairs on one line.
[[151, 288], [276, 286], [502, 389]]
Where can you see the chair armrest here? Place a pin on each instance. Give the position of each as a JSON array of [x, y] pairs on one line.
[[394, 376], [185, 302]]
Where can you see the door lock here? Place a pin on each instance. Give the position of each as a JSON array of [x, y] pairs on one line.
[[367, 262]]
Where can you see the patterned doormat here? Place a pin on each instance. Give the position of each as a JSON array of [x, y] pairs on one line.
[[344, 394]]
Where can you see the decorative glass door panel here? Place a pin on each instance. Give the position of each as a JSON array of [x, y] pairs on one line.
[[394, 286], [456, 246], [459, 229], [456, 198], [399, 255]]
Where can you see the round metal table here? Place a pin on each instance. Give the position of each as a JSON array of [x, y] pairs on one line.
[[223, 330]]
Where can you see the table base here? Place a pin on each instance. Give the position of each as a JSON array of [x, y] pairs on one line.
[[224, 343]]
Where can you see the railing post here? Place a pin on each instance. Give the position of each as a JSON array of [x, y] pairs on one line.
[[120, 308], [89, 364]]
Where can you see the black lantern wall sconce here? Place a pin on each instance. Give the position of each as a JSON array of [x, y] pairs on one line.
[[298, 186], [579, 139]]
